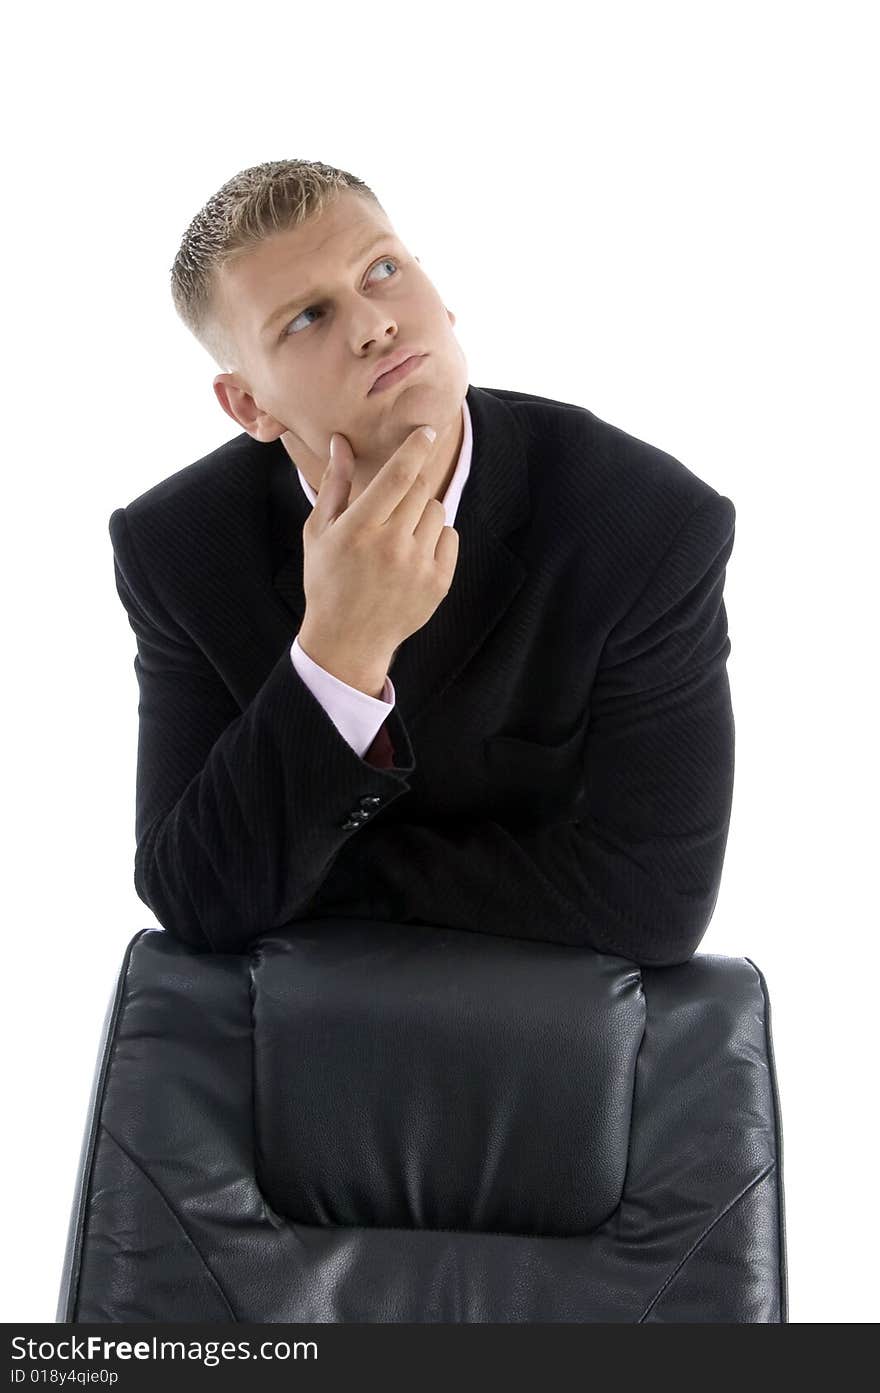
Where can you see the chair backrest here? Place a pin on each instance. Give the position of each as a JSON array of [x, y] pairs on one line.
[[358, 1121]]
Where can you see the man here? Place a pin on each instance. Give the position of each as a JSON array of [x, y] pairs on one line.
[[553, 757]]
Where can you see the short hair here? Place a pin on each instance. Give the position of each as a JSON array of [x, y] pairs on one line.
[[252, 205]]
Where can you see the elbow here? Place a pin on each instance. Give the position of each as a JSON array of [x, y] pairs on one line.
[[199, 912], [183, 927], [676, 941], [670, 957], [667, 940]]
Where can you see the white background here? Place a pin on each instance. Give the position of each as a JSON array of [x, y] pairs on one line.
[[661, 212]]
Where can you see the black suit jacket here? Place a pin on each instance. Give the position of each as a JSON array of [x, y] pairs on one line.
[[563, 732]]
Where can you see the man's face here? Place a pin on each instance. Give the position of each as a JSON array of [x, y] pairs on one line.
[[308, 371]]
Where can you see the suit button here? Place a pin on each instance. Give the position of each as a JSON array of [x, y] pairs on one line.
[[370, 801], [347, 826], [358, 815]]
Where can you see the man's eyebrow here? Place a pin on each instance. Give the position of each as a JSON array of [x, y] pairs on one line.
[[314, 294]]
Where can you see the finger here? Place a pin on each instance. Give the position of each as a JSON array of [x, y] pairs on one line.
[[416, 512], [385, 490], [335, 484], [446, 554]]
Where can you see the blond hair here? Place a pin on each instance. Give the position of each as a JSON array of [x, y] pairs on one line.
[[252, 205]]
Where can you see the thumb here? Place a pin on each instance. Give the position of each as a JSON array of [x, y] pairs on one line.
[[340, 448], [333, 490]]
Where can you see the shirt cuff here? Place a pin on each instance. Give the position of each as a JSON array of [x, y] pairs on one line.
[[356, 715]]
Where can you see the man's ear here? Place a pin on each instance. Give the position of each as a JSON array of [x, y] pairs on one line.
[[238, 403]]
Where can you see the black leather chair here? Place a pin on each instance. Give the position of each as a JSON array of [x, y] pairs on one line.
[[364, 1122]]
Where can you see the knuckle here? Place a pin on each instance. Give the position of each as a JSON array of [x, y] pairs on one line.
[[401, 472]]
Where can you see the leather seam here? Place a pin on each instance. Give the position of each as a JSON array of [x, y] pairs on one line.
[[82, 1195], [777, 1138], [174, 1214], [633, 1097], [728, 1208]]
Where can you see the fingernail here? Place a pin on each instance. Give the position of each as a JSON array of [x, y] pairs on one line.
[[332, 445], [430, 432]]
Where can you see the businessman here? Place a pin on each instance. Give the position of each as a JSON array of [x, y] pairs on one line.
[[474, 676]]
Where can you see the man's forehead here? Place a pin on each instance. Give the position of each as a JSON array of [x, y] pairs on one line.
[[303, 246]]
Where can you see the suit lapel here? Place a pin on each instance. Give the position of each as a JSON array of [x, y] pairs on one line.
[[494, 502]]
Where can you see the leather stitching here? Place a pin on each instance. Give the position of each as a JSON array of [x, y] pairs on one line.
[[703, 1236], [174, 1214]]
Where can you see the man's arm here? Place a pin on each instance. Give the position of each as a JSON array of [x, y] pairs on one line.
[[358, 716], [239, 814], [639, 874]]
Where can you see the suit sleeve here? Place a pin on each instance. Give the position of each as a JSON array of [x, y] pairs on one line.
[[239, 814], [638, 875]]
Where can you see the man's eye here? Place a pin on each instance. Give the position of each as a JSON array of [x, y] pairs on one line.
[[312, 309]]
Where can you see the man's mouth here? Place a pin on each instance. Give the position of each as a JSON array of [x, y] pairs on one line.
[[388, 379]]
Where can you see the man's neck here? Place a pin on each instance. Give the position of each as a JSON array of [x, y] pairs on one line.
[[442, 460], [439, 469]]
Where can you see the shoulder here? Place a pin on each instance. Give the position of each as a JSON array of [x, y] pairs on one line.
[[597, 484], [599, 459], [225, 475], [209, 507]]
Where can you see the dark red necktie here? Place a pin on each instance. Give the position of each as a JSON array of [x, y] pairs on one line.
[[381, 752]]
